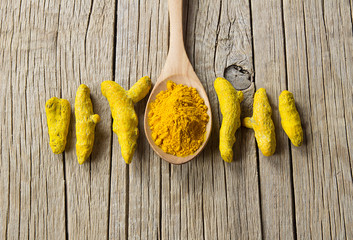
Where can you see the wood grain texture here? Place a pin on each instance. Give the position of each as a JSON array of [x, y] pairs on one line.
[[270, 73], [32, 200], [48, 48], [85, 42], [319, 60], [141, 44], [211, 28]]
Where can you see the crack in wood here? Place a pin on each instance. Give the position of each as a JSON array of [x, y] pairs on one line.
[[238, 76]]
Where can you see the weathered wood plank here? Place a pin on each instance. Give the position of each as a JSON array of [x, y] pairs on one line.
[[144, 185], [270, 73], [32, 200], [319, 59], [85, 43], [119, 199], [141, 46], [298, 84], [214, 40], [338, 99], [234, 60]]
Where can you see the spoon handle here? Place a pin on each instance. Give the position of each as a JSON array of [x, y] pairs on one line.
[[177, 62], [176, 27]]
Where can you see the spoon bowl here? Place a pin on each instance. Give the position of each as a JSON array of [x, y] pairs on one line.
[[162, 86], [179, 70]]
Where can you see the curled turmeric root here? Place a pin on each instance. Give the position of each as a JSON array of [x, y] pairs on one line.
[[58, 113], [85, 123], [262, 123], [290, 118], [122, 107], [229, 101]]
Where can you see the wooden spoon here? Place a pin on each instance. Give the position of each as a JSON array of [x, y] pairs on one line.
[[179, 70]]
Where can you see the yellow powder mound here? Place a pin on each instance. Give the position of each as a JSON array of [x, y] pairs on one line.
[[178, 119]]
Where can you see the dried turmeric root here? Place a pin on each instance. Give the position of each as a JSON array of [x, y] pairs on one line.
[[229, 101], [122, 107], [85, 123], [290, 118], [262, 123], [58, 113]]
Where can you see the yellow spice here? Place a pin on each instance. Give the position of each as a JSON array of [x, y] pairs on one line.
[[290, 118], [58, 113], [229, 101], [262, 123], [178, 119], [86, 122], [122, 107]]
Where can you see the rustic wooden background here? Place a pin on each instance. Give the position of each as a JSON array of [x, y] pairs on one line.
[[48, 48]]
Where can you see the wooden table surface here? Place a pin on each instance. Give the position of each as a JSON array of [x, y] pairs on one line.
[[48, 48]]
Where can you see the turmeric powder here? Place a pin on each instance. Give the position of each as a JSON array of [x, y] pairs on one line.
[[85, 123], [58, 113], [122, 107], [229, 101], [290, 118], [178, 119], [262, 123]]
